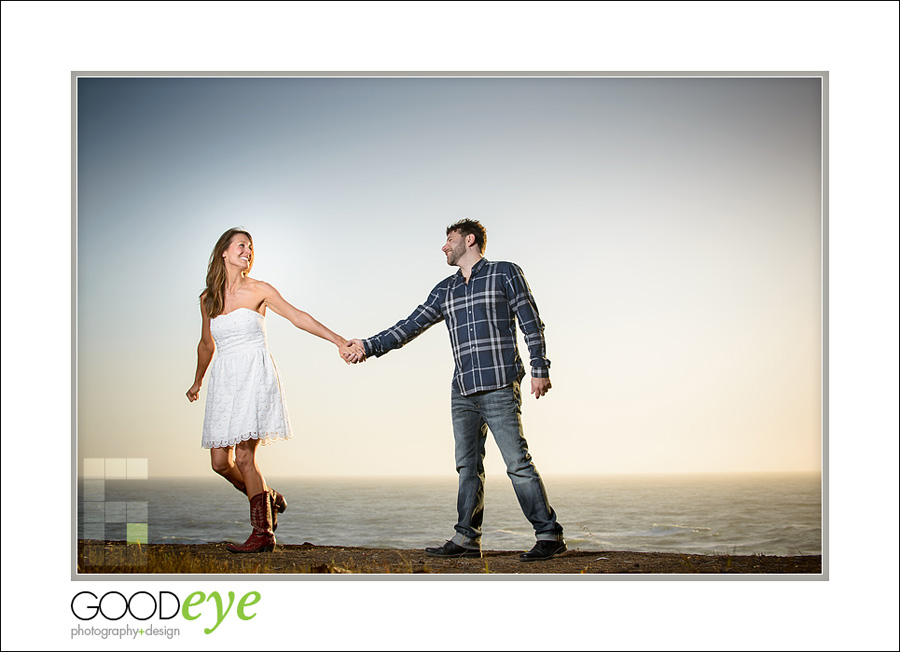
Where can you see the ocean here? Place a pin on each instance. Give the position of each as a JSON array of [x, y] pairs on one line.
[[771, 514]]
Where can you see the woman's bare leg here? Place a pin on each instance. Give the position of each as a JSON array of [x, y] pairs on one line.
[[223, 464], [245, 460]]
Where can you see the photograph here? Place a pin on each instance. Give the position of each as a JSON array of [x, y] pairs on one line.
[[651, 243]]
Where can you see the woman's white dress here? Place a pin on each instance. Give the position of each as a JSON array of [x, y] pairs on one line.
[[245, 397]]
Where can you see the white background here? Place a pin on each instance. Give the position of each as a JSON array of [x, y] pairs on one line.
[[857, 44]]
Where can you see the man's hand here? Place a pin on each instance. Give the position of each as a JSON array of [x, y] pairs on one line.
[[540, 386], [353, 352]]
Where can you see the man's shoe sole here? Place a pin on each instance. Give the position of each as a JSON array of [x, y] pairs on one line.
[[522, 557], [467, 555]]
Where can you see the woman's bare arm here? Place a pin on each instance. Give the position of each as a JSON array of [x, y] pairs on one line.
[[305, 321], [205, 350]]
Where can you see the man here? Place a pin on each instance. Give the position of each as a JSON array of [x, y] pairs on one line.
[[480, 304]]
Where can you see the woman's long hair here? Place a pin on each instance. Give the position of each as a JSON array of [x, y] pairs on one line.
[[214, 294]]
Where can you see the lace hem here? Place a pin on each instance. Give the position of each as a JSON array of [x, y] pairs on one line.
[[265, 439]]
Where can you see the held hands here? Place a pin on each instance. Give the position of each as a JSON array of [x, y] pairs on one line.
[[352, 351], [540, 386]]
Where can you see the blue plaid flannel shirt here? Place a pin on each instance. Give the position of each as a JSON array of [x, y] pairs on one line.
[[481, 318]]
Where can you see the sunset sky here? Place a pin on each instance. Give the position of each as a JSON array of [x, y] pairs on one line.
[[670, 229]]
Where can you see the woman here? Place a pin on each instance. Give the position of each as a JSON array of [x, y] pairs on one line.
[[245, 405]]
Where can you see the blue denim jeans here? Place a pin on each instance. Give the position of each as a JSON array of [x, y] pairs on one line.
[[500, 411]]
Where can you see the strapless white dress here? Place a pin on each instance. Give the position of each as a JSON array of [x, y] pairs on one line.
[[244, 397]]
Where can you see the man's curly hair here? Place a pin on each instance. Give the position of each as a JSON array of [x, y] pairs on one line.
[[473, 227]]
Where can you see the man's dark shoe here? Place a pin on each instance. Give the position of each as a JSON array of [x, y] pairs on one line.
[[452, 551], [544, 550]]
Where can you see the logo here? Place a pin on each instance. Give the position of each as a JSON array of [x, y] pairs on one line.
[[165, 605]]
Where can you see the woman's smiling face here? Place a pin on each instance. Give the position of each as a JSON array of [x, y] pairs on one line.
[[240, 252]]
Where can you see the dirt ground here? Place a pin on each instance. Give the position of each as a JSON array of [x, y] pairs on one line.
[[119, 557]]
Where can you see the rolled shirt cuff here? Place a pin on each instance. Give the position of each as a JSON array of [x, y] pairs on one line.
[[540, 372]]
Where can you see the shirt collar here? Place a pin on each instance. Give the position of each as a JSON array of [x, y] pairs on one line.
[[475, 268]]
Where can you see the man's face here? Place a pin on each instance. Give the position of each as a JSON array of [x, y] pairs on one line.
[[454, 248]]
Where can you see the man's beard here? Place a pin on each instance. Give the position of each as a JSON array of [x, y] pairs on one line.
[[456, 253]]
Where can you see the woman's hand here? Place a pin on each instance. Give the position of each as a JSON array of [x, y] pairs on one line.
[[352, 352], [193, 392]]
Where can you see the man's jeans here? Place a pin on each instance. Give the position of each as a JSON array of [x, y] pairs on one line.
[[501, 411]]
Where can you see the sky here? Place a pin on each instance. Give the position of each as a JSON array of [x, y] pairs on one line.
[[670, 229]]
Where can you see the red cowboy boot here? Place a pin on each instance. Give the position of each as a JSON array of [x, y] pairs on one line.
[[276, 500], [262, 539], [278, 504]]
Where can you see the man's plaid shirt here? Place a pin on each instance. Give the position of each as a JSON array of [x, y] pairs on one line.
[[481, 317]]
